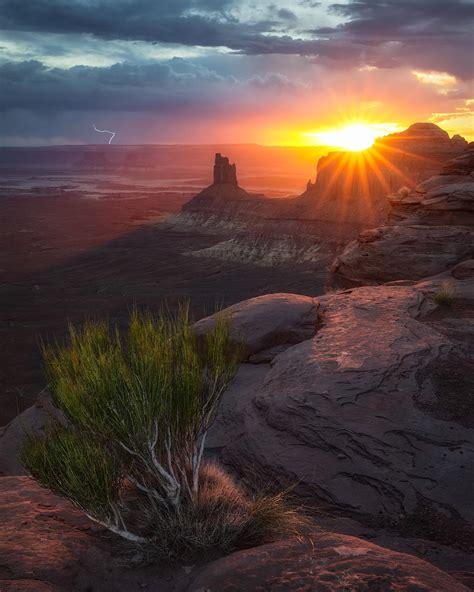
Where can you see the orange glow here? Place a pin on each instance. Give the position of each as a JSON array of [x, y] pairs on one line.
[[355, 136]]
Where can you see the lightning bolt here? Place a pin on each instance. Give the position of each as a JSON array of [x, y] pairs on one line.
[[105, 132]]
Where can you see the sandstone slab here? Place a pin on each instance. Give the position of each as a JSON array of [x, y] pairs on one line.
[[325, 563], [356, 416], [48, 546]]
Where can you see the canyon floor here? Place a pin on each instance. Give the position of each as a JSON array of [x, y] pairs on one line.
[[79, 246]]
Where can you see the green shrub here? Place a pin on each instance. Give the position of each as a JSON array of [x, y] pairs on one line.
[[139, 409], [445, 295]]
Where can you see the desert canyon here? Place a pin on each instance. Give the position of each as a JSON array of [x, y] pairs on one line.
[[359, 396]]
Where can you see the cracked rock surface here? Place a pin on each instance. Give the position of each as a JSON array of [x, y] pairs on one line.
[[356, 416], [46, 545], [326, 563]]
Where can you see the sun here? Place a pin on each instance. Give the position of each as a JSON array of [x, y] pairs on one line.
[[354, 136]]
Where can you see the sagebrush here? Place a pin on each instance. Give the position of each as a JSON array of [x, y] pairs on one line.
[[139, 408]]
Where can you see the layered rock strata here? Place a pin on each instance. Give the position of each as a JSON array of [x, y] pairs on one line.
[[348, 196], [429, 230]]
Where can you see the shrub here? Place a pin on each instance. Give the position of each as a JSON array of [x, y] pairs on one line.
[[131, 457], [445, 295]]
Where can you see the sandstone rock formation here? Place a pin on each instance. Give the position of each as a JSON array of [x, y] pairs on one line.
[[424, 139], [326, 563], [373, 415], [351, 187], [48, 546], [268, 322], [224, 196], [429, 230], [224, 173], [348, 196]]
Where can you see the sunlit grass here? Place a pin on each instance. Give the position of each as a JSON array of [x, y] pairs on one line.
[[131, 458]]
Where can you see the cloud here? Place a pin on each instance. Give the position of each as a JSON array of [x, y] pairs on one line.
[[132, 87], [423, 34], [172, 86], [286, 14], [67, 60], [428, 34], [189, 22]]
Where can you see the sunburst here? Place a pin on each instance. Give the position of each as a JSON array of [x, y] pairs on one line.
[[353, 136]]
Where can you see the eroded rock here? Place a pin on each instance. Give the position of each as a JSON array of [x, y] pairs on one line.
[[348, 196], [325, 563], [267, 321], [346, 413], [47, 545], [429, 231]]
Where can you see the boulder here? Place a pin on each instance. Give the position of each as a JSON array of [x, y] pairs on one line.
[[267, 321], [32, 420], [372, 416], [392, 253], [325, 563]]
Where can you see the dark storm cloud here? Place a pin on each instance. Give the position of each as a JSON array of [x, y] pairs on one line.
[[286, 14], [31, 85], [431, 34], [376, 15], [188, 22]]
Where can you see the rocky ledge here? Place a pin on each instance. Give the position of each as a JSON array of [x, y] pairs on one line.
[[362, 400], [372, 416], [429, 230], [48, 546]]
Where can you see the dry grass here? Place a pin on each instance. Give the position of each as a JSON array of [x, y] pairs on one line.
[[223, 519], [445, 295]]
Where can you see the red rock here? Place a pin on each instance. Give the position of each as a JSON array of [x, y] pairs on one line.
[[362, 415], [428, 232], [327, 563], [62, 553], [348, 196]]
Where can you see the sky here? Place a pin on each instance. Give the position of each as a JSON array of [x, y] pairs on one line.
[[230, 71]]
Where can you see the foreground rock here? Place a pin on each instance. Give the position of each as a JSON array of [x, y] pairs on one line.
[[12, 436], [267, 322], [326, 563], [348, 196], [364, 398], [429, 230], [374, 415], [48, 546]]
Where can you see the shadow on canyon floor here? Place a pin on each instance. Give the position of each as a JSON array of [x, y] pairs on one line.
[[144, 267]]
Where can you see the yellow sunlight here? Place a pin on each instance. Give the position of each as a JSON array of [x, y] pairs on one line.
[[354, 137]]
